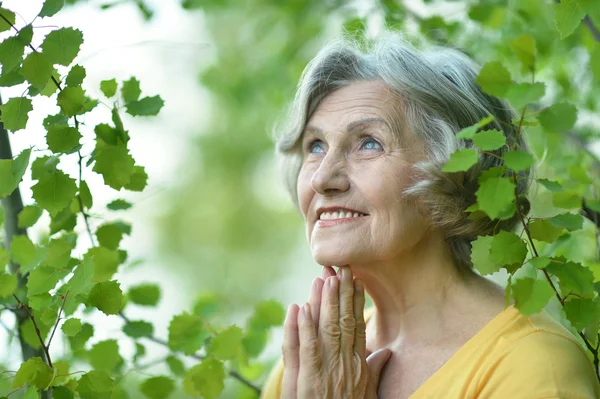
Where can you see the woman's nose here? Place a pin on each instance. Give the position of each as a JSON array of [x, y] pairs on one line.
[[331, 175]]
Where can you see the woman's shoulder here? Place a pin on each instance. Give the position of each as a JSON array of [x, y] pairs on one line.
[[542, 357]]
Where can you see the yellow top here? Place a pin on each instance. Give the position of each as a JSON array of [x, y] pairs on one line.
[[512, 357]]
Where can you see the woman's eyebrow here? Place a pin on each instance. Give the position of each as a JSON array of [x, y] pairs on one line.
[[354, 125]]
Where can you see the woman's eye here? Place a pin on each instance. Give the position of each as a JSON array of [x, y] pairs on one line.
[[313, 144], [370, 144]]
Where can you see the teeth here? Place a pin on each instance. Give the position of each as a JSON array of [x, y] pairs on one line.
[[339, 215]]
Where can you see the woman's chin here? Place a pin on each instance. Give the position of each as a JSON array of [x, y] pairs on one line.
[[331, 258]]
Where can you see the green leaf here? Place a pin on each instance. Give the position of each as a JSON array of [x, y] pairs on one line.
[[106, 262], [581, 312], [518, 160], [11, 52], [551, 185], [51, 7], [139, 179], [522, 94], [14, 113], [58, 253], [531, 295], [76, 76], [495, 195], [138, 329], [37, 69], [10, 16], [61, 46], [206, 379], [78, 341], [81, 282], [255, 341], [28, 216], [8, 284], [567, 17], [33, 372], [480, 255], [54, 191], [489, 140], [116, 165], [558, 117], [119, 204], [569, 221], [144, 294], [540, 262], [109, 87], [140, 351], [580, 174], [31, 393], [468, 132], [131, 90], [104, 355], [12, 171], [268, 313], [96, 384], [566, 200], [71, 327], [187, 333], [11, 78], [159, 387], [86, 195], [494, 79], [44, 165], [62, 392], [109, 235], [176, 366], [61, 138], [543, 230], [508, 248], [573, 278], [146, 106], [524, 47], [106, 297], [461, 160], [206, 304], [38, 302], [71, 100], [227, 344], [43, 279], [23, 252]]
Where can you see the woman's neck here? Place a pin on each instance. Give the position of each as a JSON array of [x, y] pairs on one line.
[[417, 294]]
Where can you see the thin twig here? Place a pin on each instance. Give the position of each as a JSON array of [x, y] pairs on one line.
[[85, 215], [232, 373], [590, 24], [58, 318], [37, 330]]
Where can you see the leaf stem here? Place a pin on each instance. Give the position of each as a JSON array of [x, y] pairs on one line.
[[57, 319]]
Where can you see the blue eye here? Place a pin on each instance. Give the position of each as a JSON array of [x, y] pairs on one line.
[[310, 145], [369, 141]]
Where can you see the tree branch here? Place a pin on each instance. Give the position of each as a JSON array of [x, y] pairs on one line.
[[37, 330], [590, 24], [232, 373]]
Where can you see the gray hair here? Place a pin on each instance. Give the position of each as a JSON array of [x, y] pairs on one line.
[[437, 91]]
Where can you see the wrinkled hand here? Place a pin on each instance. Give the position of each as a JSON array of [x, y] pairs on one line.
[[324, 343]]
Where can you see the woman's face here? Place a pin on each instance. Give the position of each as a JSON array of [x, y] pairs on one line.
[[353, 160]]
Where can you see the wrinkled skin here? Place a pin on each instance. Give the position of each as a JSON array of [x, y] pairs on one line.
[[324, 349]]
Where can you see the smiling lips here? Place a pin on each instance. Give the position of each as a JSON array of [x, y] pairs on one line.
[[334, 216]]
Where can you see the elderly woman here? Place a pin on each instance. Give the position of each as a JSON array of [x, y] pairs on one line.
[[362, 157]]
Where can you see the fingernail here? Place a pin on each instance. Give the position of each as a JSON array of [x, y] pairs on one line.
[[345, 273], [332, 282]]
